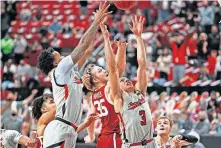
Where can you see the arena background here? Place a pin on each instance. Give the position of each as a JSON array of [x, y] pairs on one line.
[[179, 89]]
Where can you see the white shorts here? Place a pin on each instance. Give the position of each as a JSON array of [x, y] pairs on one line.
[[58, 134], [148, 145]]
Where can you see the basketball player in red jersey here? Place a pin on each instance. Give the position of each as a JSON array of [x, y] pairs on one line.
[[95, 79]]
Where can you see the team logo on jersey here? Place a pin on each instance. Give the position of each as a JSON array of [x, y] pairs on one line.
[[133, 105]]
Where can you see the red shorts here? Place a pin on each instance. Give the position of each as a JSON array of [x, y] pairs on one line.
[[109, 141]]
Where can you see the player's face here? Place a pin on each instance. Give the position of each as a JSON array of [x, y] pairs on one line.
[[163, 126], [48, 105], [99, 74], [126, 84]]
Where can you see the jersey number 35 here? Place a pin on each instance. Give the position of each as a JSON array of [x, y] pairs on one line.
[[102, 109]]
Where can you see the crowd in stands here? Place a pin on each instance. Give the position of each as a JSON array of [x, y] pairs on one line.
[[182, 46]]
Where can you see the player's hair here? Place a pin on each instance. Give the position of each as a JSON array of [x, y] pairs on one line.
[[88, 82], [45, 60], [165, 117], [37, 105]]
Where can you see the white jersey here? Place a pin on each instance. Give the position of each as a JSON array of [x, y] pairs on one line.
[[168, 144], [9, 138], [136, 116], [69, 97]]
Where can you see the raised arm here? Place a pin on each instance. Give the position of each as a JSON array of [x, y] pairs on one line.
[[87, 122], [137, 29], [90, 130], [31, 97], [121, 57], [89, 35], [111, 65], [83, 59]]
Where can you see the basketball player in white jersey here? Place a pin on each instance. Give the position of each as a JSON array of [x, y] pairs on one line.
[[67, 87], [163, 139], [130, 102], [44, 110]]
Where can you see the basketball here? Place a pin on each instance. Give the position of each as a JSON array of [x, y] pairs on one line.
[[124, 5]]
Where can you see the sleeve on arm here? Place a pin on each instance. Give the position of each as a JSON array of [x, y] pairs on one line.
[[64, 65], [62, 72], [13, 135]]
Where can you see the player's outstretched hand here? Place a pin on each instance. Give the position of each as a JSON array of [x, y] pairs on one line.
[[137, 25], [104, 30], [32, 143], [88, 139], [91, 118], [86, 81], [101, 13], [120, 44]]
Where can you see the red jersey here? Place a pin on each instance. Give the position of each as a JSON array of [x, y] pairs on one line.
[[103, 105]]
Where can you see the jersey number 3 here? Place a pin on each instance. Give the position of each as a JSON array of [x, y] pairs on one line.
[[102, 109], [143, 117]]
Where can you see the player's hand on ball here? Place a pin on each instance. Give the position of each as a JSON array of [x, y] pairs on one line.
[[88, 139], [101, 13], [137, 25]]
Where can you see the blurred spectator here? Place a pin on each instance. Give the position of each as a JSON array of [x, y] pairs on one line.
[[192, 47], [204, 100], [32, 57], [83, 7], [213, 103], [56, 43], [213, 129], [163, 63], [203, 126], [38, 15], [25, 14], [206, 16], [212, 63], [163, 10], [177, 123], [178, 46], [218, 66], [203, 47], [45, 43], [78, 31], [5, 22], [23, 69], [10, 67], [177, 6], [55, 27], [7, 44], [67, 28], [203, 74], [20, 47], [36, 46], [13, 122], [191, 108], [214, 39], [18, 105], [187, 123]]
